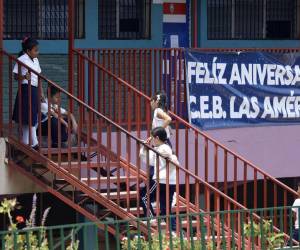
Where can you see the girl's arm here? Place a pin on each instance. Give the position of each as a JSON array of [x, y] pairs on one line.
[[74, 123], [72, 118], [163, 115], [20, 77], [151, 156], [54, 114], [64, 122], [63, 112]]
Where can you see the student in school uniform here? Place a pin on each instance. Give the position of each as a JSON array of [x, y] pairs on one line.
[[161, 118], [54, 115], [295, 209], [28, 56], [160, 114], [159, 138]]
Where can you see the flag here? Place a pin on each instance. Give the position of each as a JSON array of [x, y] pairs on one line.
[[174, 11]]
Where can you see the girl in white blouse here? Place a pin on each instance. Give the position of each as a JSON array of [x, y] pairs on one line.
[[160, 114], [29, 82], [55, 120]]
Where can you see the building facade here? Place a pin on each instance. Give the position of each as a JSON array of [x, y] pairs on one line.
[[139, 24]]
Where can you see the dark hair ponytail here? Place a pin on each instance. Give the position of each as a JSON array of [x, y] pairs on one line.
[[161, 99], [27, 44], [160, 132], [53, 91]]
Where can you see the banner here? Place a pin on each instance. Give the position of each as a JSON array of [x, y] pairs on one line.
[[242, 89]]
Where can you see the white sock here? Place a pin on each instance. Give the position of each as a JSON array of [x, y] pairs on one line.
[[34, 137], [25, 136]]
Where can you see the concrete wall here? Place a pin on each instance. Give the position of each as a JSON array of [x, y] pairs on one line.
[[11, 181]]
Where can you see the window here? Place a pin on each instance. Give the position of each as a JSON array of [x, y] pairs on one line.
[[124, 19], [253, 19], [42, 19]]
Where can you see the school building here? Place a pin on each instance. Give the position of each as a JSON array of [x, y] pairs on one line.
[[108, 68]]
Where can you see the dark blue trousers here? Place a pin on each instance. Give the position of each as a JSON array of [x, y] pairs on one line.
[[54, 131], [162, 200], [295, 234]]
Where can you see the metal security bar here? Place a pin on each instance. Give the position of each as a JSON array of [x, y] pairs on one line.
[[124, 19], [214, 233], [253, 19], [42, 19]]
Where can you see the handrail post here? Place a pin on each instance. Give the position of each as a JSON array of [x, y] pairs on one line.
[[1, 67], [70, 50], [195, 21]]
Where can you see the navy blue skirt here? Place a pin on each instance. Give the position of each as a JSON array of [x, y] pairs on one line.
[[25, 105]]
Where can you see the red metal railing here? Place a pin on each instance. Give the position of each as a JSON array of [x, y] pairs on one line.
[[127, 103], [113, 147], [105, 156], [150, 70]]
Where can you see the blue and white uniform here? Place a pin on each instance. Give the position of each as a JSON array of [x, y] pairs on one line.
[[24, 98]]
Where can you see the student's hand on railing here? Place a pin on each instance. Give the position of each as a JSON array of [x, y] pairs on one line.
[[27, 76], [54, 114], [43, 98], [148, 140], [55, 108]]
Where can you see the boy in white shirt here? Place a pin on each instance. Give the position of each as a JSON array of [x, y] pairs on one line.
[[159, 138], [296, 208], [54, 115]]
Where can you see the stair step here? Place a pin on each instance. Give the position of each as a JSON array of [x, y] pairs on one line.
[[84, 164], [134, 210], [123, 195], [67, 150], [60, 181], [37, 165], [113, 179], [113, 195], [95, 166]]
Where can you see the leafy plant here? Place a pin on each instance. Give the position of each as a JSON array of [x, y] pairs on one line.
[[13, 237], [36, 238], [163, 242], [265, 234], [74, 245]]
